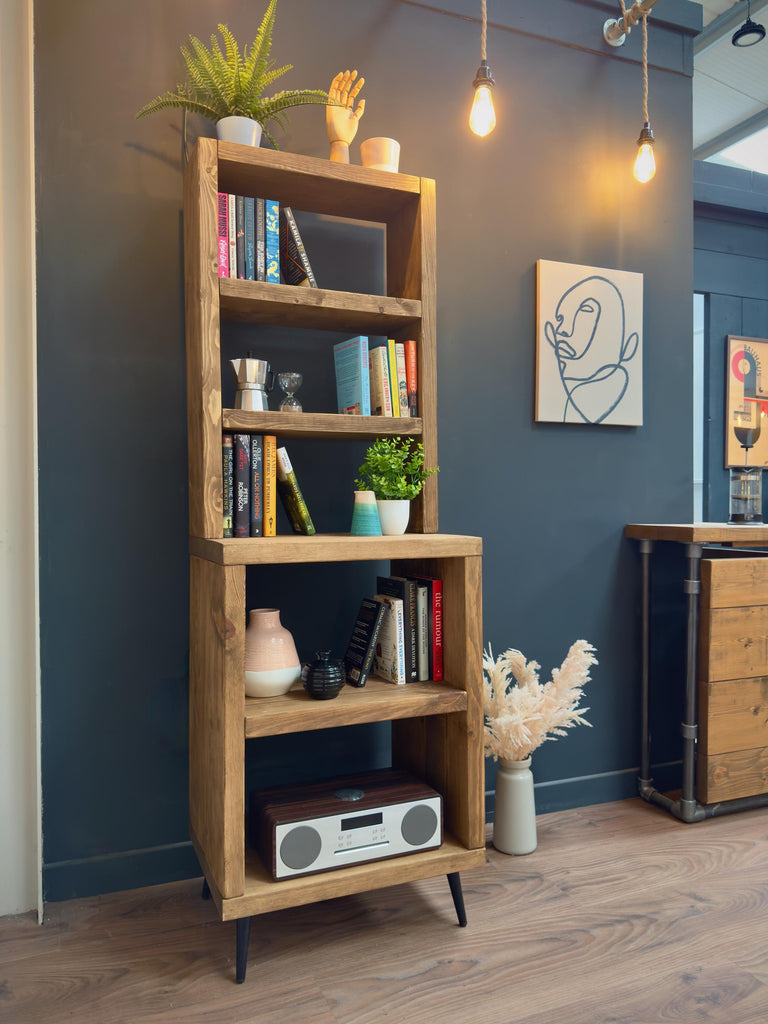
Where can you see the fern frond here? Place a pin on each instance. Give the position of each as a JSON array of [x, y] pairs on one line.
[[291, 98], [233, 61], [257, 57], [178, 99]]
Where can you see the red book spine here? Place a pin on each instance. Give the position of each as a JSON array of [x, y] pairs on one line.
[[411, 378], [223, 232], [437, 643]]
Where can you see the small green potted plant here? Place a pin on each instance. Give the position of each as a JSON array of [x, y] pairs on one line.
[[228, 87], [394, 470]]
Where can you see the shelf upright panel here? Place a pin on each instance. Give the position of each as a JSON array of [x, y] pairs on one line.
[[216, 712], [412, 273], [201, 291]]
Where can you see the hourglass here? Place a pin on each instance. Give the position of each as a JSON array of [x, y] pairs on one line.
[[290, 383]]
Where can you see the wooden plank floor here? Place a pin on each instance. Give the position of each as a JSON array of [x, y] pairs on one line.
[[622, 916]]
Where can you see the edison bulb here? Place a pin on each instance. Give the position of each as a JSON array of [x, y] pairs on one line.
[[482, 119], [645, 162]]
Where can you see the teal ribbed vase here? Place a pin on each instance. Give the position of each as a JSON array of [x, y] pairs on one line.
[[365, 515]]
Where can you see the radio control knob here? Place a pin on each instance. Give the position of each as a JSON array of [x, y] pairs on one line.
[[418, 824]]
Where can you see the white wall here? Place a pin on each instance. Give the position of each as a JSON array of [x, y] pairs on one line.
[[19, 662]]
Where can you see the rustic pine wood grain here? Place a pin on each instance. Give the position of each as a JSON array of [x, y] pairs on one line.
[[216, 711], [734, 774], [737, 715], [623, 915], [737, 582], [700, 533], [320, 425]]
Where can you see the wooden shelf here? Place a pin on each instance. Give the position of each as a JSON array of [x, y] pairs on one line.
[[320, 425], [377, 701], [701, 533], [285, 305], [332, 547], [262, 894]]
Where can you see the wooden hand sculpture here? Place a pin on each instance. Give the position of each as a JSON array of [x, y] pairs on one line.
[[341, 119]]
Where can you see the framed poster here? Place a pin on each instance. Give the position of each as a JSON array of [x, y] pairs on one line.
[[589, 345], [746, 401]]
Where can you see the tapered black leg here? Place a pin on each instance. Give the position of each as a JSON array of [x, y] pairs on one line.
[[243, 935], [206, 893], [454, 880]]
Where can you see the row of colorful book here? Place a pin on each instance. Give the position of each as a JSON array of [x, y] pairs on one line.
[[376, 380], [259, 240], [398, 634], [255, 471]]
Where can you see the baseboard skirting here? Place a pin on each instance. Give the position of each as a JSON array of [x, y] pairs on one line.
[[114, 872], [601, 788]]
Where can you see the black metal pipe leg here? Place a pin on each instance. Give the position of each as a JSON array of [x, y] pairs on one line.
[[243, 935], [454, 880]]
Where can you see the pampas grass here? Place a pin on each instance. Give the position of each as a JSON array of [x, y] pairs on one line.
[[520, 716]]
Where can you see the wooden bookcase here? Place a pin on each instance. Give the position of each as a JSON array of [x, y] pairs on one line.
[[436, 728]]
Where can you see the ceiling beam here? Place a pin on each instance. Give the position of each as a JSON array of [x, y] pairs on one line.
[[725, 25], [736, 134]]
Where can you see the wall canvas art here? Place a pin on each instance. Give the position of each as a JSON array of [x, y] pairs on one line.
[[746, 401], [589, 345]]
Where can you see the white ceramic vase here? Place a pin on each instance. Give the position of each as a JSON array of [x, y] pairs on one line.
[[514, 814], [244, 130], [271, 661], [394, 514]]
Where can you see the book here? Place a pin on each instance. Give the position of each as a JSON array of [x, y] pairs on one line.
[[240, 235], [272, 240], [422, 633], [223, 234], [261, 240], [232, 233], [411, 377], [381, 397], [353, 387], [227, 479], [392, 365], [402, 382], [250, 238], [257, 488], [405, 589], [269, 486], [294, 261], [361, 648], [291, 496], [242, 488], [434, 624], [389, 659]]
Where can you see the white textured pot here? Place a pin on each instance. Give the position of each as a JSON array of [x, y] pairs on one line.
[[514, 813], [244, 130], [394, 514]]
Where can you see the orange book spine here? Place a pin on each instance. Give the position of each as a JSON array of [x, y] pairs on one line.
[[269, 497], [411, 377]]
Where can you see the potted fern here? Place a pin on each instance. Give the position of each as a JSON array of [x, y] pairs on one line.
[[227, 87], [394, 470]]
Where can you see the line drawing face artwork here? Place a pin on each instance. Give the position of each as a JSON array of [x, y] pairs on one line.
[[588, 345]]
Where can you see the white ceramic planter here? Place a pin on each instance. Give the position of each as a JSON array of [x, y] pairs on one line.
[[244, 130], [393, 515]]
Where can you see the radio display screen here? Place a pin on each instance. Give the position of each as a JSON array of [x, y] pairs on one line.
[[361, 821]]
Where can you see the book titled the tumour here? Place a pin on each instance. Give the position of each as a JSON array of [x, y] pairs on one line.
[[434, 624], [411, 377], [361, 648], [223, 234], [269, 486], [242, 495], [272, 240], [381, 396], [353, 388], [227, 479], [294, 262], [257, 485], [291, 496], [389, 659]]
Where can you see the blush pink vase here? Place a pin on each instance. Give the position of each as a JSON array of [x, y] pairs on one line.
[[271, 661]]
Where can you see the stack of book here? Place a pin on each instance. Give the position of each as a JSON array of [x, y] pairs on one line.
[[254, 472], [398, 634], [379, 380], [259, 240]]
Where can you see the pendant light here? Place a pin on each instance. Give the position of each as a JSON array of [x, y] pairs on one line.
[[482, 118], [750, 32]]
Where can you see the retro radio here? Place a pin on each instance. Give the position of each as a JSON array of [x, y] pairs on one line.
[[299, 830]]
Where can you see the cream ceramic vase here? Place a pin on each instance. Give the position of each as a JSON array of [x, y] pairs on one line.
[[514, 815], [272, 663]]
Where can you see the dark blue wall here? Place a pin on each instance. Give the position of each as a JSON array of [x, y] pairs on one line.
[[731, 271], [553, 182]]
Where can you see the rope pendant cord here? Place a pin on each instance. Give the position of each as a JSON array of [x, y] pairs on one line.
[[483, 30], [628, 19]]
